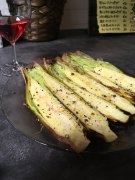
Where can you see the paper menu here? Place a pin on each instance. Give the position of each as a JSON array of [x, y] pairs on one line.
[[116, 16]]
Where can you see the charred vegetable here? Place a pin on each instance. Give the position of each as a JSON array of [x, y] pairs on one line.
[[84, 60], [54, 115], [96, 88], [90, 67], [122, 80], [89, 117], [103, 106], [77, 95]]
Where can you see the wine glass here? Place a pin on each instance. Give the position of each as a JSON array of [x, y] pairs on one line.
[[14, 19]]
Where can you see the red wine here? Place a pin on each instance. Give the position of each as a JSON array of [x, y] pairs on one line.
[[12, 27]]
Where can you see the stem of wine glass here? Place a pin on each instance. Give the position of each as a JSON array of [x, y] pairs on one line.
[[15, 62]]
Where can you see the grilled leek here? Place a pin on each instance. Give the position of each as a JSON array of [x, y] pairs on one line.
[[87, 61], [85, 66], [88, 116], [61, 122], [76, 95], [96, 88], [104, 107], [122, 80]]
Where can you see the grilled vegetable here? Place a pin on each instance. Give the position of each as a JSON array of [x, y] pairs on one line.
[[85, 66], [104, 107], [54, 115], [76, 95], [124, 81], [85, 60], [96, 88], [88, 116], [29, 101]]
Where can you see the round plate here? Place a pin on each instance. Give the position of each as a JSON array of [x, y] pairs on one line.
[[14, 108]]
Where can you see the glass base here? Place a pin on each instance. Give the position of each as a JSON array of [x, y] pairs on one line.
[[5, 70], [10, 69]]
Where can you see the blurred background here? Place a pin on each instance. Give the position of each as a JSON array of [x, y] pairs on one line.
[[75, 15]]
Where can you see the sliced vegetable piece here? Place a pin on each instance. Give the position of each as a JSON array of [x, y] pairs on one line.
[[96, 88], [85, 59], [84, 67], [88, 116], [122, 80], [54, 115], [104, 107]]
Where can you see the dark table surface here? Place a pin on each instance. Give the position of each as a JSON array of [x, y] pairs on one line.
[[24, 159]]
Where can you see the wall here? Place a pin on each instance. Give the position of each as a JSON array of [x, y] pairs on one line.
[[75, 15], [4, 8]]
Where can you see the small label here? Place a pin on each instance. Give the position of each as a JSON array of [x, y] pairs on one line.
[[116, 16]]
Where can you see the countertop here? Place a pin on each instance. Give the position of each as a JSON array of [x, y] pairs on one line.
[[24, 159]]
